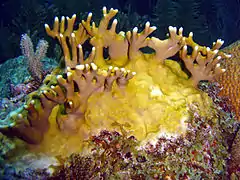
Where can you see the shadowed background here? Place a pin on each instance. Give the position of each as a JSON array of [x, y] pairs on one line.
[[208, 19]]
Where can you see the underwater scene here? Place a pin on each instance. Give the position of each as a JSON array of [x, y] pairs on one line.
[[120, 89]]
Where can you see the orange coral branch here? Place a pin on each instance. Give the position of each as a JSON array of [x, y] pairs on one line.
[[169, 47], [76, 37], [102, 37], [138, 40], [87, 79], [203, 63]]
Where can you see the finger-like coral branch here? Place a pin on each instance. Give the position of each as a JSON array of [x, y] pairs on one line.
[[168, 47], [203, 61], [102, 37], [138, 40], [59, 28], [64, 35], [121, 76], [203, 49], [79, 84]]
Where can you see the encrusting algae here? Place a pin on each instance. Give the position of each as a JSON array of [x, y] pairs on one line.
[[146, 94]]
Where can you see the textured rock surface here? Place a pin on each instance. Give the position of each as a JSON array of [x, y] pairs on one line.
[[230, 80], [235, 155]]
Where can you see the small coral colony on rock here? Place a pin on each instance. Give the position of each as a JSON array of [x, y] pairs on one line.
[[119, 112]]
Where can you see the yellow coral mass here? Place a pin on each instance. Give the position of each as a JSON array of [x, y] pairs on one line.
[[154, 102], [147, 94]]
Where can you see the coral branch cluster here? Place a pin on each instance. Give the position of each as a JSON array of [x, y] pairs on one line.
[[80, 83], [71, 92], [122, 48], [82, 76], [203, 63]]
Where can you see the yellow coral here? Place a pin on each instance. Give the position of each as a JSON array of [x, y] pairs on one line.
[[155, 101], [143, 112], [136, 109]]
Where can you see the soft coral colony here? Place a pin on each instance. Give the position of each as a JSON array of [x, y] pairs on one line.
[[145, 93]]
